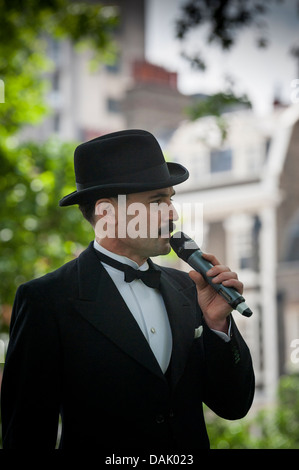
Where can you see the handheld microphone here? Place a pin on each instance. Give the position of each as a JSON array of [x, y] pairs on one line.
[[187, 250]]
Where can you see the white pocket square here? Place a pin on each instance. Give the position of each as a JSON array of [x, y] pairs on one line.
[[198, 332]]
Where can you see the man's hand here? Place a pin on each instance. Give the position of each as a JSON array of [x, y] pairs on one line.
[[215, 309]]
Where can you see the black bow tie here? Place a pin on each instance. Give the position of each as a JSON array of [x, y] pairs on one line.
[[151, 277]]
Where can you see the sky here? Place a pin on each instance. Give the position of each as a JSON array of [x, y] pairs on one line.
[[261, 74]]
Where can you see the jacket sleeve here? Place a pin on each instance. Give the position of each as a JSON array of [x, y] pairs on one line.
[[229, 381], [30, 393]]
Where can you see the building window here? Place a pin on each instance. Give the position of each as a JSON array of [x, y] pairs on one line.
[[113, 105], [114, 67], [293, 243], [244, 250], [55, 51], [267, 148], [243, 241], [221, 160], [56, 122], [55, 80]]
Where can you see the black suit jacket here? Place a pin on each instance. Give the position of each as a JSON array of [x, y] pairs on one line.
[[76, 351]]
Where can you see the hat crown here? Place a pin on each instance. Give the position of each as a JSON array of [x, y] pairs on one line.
[[123, 162], [115, 155]]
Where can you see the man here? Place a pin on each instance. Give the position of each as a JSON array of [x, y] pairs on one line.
[[125, 364]]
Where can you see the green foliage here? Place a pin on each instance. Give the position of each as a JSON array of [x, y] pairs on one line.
[[216, 105], [280, 430], [26, 26], [222, 22], [273, 428], [36, 235]]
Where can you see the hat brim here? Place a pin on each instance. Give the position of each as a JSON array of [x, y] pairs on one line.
[[178, 174]]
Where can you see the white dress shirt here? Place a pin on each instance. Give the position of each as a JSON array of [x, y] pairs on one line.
[[147, 307]]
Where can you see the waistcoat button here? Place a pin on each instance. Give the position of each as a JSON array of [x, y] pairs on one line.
[[160, 419]]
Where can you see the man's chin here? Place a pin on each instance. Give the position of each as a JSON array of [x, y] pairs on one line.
[[165, 246]]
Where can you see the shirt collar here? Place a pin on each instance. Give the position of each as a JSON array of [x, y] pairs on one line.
[[120, 258]]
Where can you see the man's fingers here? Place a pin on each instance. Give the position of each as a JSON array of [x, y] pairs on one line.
[[235, 283], [210, 257], [198, 279], [224, 276], [227, 278]]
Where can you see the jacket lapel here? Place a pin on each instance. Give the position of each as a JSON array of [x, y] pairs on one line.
[[182, 318], [102, 306]]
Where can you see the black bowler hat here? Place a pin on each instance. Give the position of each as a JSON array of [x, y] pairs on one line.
[[123, 162]]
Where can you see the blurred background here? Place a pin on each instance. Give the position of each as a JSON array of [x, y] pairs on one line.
[[218, 85]]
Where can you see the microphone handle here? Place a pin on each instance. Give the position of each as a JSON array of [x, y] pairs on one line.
[[231, 295]]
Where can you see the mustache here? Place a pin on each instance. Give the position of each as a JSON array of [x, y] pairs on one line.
[[166, 229]]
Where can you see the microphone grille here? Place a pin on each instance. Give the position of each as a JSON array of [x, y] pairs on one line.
[[183, 245]]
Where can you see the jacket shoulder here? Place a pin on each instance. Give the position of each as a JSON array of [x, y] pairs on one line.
[[61, 280], [51, 280]]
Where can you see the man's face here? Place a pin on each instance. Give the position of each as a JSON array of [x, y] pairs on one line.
[[143, 223]]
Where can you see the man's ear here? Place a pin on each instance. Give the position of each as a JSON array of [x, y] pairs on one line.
[[105, 218], [105, 208]]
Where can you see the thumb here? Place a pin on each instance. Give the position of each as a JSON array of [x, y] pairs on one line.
[[198, 279]]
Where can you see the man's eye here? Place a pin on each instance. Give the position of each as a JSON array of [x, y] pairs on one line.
[[159, 201]]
